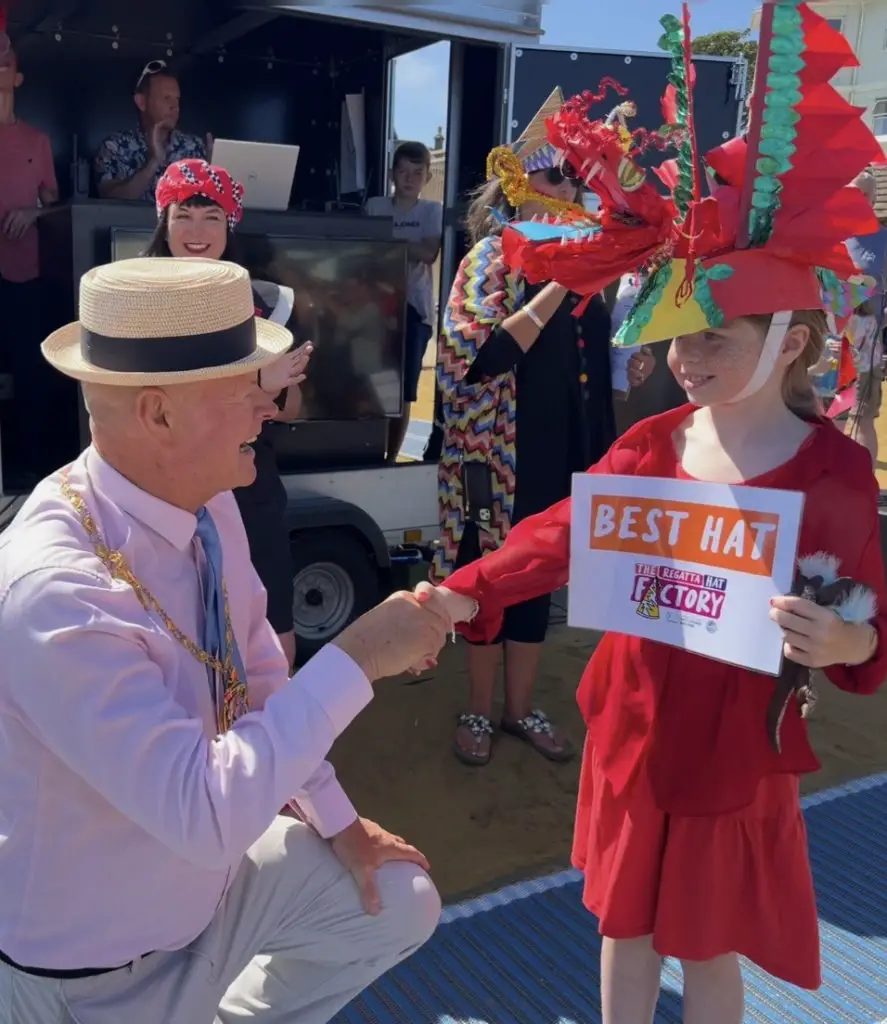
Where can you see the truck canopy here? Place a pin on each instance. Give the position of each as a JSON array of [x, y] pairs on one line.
[[493, 21]]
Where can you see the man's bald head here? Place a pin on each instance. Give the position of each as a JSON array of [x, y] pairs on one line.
[[182, 442], [109, 406]]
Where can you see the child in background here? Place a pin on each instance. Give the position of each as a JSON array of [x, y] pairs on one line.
[[419, 222]]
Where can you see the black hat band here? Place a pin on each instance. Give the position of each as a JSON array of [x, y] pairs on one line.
[[169, 355]]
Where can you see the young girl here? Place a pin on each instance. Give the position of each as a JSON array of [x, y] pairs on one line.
[[688, 826]]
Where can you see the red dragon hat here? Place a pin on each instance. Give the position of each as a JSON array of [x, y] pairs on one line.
[[769, 237]]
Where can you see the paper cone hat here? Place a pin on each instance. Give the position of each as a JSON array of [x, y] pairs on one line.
[[532, 148]]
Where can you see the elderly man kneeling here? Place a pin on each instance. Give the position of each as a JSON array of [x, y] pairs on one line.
[[149, 733]]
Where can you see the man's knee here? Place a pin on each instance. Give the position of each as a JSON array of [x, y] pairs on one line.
[[410, 907]]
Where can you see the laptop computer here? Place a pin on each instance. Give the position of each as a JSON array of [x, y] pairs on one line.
[[266, 170]]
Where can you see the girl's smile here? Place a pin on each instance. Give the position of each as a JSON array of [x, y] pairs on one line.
[[693, 381]]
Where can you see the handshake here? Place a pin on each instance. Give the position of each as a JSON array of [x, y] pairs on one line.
[[406, 632]]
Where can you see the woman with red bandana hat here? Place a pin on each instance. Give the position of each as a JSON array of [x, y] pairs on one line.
[[198, 208]]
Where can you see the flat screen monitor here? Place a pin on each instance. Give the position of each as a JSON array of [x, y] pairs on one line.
[[350, 301], [127, 243]]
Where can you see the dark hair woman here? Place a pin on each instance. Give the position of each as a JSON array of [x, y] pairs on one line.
[[527, 400], [198, 208]]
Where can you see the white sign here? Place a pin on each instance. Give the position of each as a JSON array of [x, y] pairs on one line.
[[689, 564]]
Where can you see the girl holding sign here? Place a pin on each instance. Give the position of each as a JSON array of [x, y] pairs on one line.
[[688, 825]]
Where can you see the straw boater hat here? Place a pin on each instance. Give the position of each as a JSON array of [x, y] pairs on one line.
[[165, 321]]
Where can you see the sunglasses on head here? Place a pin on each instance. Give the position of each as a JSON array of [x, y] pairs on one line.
[[555, 176], [153, 67]]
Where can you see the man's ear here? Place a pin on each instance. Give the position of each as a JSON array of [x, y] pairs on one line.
[[141, 101], [19, 78], [152, 409]]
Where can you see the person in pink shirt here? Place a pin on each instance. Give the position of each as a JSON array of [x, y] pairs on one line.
[[149, 730], [27, 188]]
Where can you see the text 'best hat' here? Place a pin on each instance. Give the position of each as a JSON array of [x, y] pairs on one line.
[[165, 321]]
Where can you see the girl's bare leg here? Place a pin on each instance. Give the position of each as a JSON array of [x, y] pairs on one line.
[[630, 973], [713, 991]]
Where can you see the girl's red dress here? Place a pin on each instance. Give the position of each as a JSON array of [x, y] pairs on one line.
[[688, 825]]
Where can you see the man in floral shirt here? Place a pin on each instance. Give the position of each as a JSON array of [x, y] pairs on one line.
[[130, 163]]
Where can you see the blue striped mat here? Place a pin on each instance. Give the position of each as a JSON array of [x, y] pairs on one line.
[[528, 954]]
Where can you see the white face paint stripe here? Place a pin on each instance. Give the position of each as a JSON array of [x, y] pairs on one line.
[[769, 354]]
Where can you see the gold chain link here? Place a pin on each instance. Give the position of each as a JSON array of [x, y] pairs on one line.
[[235, 701]]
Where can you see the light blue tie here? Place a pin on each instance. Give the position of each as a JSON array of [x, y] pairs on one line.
[[214, 630]]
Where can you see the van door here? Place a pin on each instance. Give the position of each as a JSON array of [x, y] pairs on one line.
[[536, 70]]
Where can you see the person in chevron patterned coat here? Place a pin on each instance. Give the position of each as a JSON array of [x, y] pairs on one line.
[[504, 340]]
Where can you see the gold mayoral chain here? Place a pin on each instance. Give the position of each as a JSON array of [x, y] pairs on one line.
[[235, 700]]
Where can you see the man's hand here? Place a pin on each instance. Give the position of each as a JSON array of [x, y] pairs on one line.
[[157, 142], [288, 371], [363, 848], [394, 636], [17, 222]]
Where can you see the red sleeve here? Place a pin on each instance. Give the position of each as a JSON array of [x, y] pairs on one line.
[[535, 558], [867, 568]]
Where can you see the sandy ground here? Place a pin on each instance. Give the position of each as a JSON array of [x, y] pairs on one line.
[[513, 819]]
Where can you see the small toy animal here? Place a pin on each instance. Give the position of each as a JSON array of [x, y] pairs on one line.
[[816, 580]]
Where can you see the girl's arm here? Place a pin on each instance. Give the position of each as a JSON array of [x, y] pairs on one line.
[[534, 560], [868, 569], [847, 639]]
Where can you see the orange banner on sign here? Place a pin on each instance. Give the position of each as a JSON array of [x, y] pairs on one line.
[[712, 535]]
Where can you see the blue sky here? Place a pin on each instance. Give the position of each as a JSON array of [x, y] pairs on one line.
[[421, 78]]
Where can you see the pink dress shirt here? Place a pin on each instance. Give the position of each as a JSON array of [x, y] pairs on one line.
[[123, 815]]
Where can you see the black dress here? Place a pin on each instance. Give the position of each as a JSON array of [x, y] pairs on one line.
[[263, 510], [564, 422]]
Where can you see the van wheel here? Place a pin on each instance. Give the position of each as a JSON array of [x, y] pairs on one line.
[[334, 582]]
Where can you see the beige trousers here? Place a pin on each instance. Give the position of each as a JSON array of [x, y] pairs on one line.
[[289, 943]]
